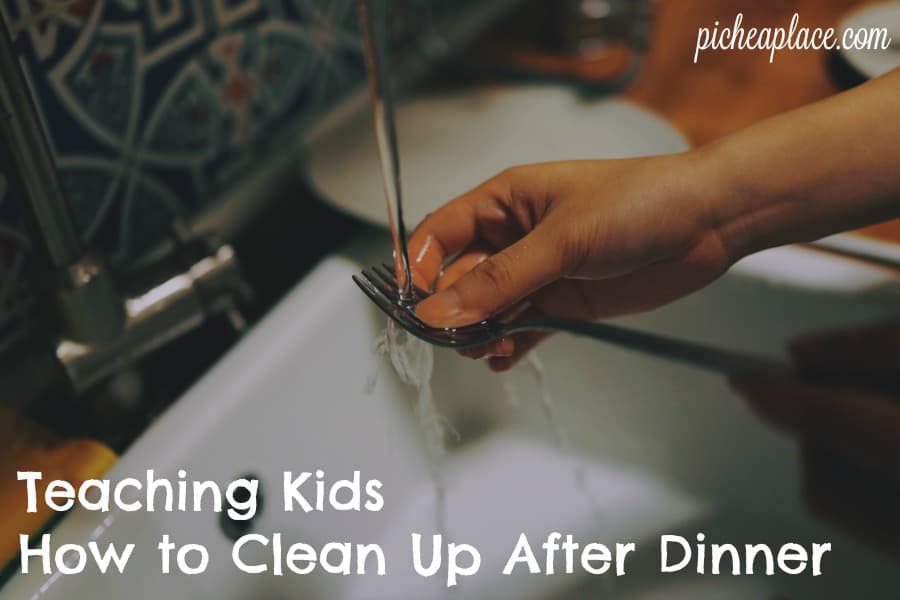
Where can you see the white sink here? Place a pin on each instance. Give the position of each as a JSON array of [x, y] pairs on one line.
[[661, 449]]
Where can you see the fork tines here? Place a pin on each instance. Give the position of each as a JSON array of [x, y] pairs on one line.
[[375, 294], [387, 272], [383, 282], [387, 298]]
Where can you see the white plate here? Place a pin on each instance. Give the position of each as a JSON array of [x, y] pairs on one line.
[[874, 63], [451, 143]]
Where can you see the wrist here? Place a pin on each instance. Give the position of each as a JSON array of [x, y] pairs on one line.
[[707, 193], [726, 201]]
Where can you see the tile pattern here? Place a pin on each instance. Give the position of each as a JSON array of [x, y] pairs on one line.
[[155, 107], [152, 105]]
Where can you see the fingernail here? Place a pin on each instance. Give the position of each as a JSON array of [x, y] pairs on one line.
[[440, 309], [444, 309]]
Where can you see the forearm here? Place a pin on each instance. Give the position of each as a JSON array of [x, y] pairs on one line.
[[822, 169]]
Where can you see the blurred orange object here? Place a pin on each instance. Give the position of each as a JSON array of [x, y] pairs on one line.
[[739, 88], [25, 446], [725, 91]]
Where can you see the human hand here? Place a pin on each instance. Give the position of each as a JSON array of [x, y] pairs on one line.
[[848, 426], [583, 239]]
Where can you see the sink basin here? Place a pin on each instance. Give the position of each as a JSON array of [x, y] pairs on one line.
[[653, 448]]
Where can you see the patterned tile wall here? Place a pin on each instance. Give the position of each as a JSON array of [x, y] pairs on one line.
[[156, 106], [150, 103]]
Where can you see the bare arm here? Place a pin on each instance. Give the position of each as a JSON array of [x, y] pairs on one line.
[[596, 239], [826, 168]]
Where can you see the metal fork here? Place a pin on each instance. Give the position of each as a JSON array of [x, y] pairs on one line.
[[379, 284]]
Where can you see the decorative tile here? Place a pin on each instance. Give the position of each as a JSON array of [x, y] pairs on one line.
[[155, 107], [146, 101], [149, 102]]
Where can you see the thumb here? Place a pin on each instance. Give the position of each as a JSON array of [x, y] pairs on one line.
[[496, 283]]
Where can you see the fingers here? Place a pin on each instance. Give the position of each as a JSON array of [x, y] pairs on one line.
[[505, 354], [496, 283], [504, 347], [866, 355], [467, 261], [635, 292], [502, 354], [837, 494], [583, 299], [524, 343], [456, 226], [860, 425], [464, 263]]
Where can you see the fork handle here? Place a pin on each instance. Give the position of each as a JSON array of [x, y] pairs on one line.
[[719, 360]]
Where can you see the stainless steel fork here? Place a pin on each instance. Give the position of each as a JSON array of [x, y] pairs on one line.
[[379, 284]]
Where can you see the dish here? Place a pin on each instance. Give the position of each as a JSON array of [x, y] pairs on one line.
[[451, 143], [874, 63]]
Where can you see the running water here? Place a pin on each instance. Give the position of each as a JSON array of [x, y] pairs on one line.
[[558, 431], [560, 436], [373, 17], [412, 359]]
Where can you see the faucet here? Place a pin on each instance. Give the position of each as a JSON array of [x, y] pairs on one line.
[[101, 329]]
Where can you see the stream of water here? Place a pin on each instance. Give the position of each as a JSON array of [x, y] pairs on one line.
[[413, 361], [411, 358], [373, 16]]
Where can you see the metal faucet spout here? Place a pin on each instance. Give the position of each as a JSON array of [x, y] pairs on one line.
[[24, 145], [101, 330]]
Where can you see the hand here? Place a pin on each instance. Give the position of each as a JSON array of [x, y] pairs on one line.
[[597, 239], [848, 426], [585, 240]]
